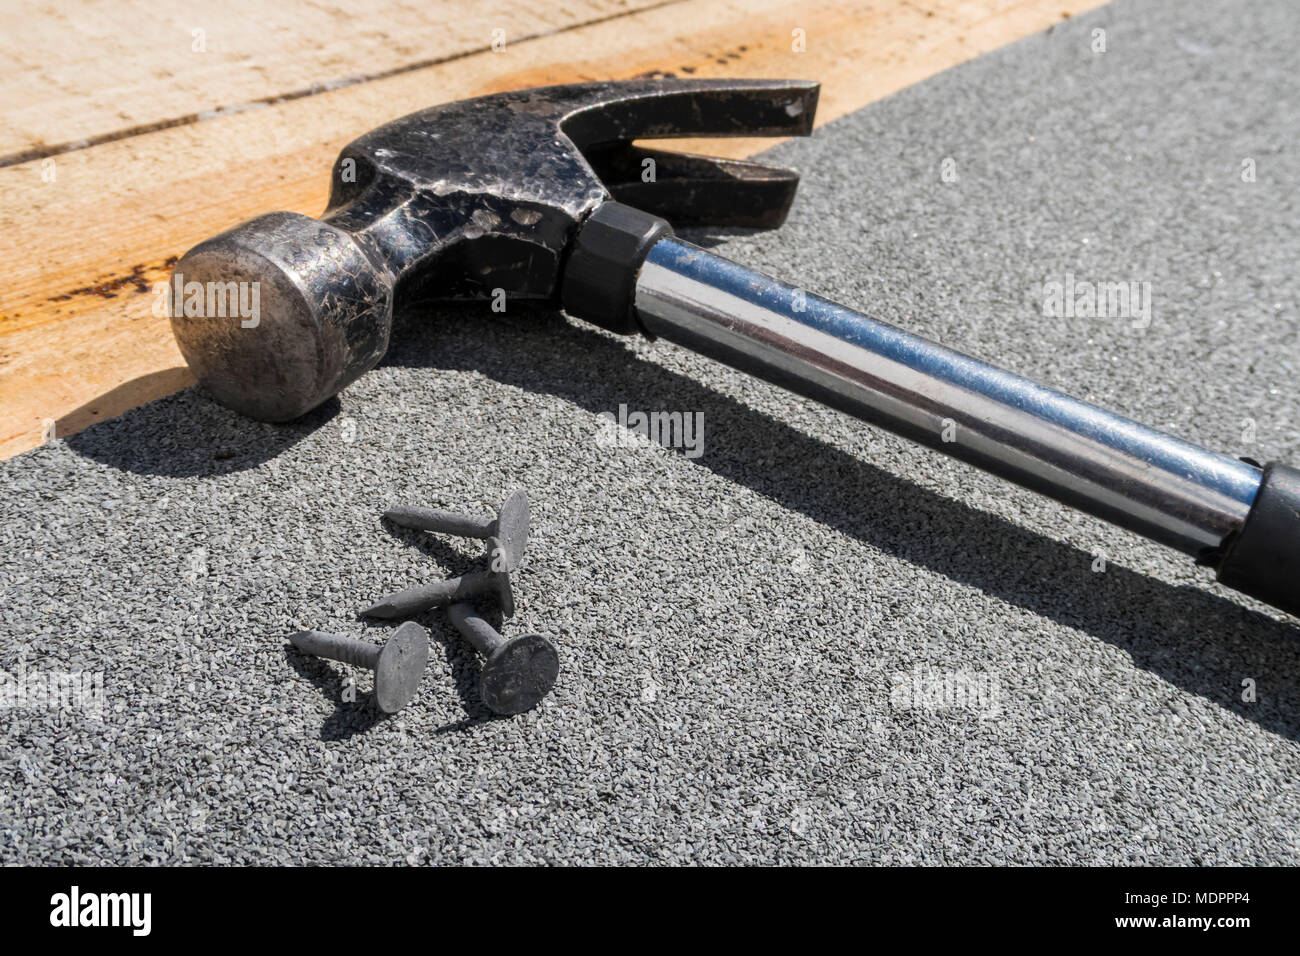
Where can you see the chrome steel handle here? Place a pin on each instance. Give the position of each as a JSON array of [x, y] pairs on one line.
[[1155, 484], [629, 274]]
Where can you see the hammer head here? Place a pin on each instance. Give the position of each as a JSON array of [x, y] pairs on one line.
[[469, 200]]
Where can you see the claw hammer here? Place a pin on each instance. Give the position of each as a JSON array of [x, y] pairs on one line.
[[540, 194]]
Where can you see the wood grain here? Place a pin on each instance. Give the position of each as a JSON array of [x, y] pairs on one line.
[[124, 66], [85, 231]]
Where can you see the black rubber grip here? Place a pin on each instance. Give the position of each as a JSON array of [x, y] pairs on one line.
[[1263, 560], [599, 283]]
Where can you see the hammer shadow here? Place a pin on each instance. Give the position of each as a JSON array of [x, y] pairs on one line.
[[188, 435], [1188, 636], [123, 397]]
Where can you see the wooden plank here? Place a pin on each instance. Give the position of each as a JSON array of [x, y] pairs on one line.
[[79, 337], [130, 65]]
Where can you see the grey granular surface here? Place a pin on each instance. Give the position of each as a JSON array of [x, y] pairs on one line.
[[812, 642]]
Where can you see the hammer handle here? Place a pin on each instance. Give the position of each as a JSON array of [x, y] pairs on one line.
[[1160, 486]]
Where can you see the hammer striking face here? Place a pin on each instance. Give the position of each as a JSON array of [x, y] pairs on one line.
[[460, 201]]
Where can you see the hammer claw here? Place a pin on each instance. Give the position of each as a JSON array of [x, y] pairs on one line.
[[691, 190], [662, 109]]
